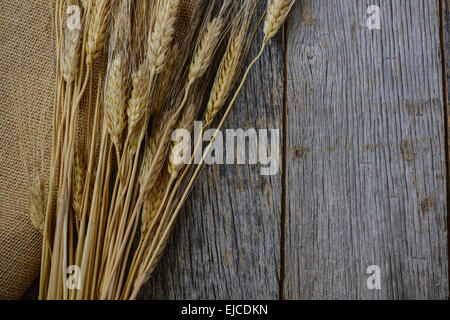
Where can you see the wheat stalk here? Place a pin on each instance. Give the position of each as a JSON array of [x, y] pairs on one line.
[[37, 204]]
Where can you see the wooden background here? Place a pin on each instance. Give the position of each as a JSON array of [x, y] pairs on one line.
[[365, 166]]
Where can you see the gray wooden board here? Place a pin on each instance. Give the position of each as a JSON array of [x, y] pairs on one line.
[[366, 152]]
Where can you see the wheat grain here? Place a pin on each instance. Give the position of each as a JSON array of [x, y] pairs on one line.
[[97, 30], [37, 204], [161, 37], [205, 50], [115, 100], [277, 12]]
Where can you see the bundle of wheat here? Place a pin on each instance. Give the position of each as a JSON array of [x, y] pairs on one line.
[[126, 62]]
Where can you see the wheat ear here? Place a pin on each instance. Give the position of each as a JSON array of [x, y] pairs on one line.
[[79, 174], [153, 202], [115, 100], [225, 78], [97, 30], [137, 105], [69, 63], [205, 50], [277, 12], [162, 35], [37, 204]]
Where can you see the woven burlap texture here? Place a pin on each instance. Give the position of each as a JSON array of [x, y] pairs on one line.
[[27, 86]]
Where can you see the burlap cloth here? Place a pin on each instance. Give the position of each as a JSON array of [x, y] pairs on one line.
[[27, 86]]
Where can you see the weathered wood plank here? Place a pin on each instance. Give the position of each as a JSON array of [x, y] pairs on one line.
[[226, 244], [366, 165], [445, 7]]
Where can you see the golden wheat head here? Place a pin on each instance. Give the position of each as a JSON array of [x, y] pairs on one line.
[[115, 100], [277, 12], [97, 30]]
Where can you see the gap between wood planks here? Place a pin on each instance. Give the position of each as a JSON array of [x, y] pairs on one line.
[[443, 35], [284, 167]]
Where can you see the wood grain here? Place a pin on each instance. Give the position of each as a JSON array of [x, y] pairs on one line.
[[366, 164], [226, 244]]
